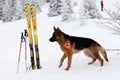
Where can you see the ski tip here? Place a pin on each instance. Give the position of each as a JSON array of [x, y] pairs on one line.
[[27, 4]]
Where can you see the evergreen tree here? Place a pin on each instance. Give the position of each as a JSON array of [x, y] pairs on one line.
[[19, 11], [2, 2], [60, 7], [66, 10], [53, 8], [89, 9], [14, 9], [10, 11], [7, 16]]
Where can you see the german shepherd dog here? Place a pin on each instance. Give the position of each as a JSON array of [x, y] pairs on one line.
[[72, 44]]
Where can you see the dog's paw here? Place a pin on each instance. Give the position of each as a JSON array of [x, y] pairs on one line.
[[60, 65], [67, 69]]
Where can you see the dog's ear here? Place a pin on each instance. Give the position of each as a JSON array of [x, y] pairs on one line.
[[54, 28], [58, 29]]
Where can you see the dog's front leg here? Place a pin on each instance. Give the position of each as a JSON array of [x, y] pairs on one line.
[[69, 61], [62, 59]]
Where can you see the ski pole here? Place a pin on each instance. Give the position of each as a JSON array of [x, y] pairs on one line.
[[22, 39], [25, 36]]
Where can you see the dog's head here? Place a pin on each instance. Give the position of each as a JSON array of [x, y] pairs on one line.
[[57, 35]]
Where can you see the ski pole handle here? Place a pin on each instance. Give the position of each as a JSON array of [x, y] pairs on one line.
[[22, 37], [25, 33]]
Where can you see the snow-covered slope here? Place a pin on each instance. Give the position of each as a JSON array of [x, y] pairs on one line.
[[50, 53]]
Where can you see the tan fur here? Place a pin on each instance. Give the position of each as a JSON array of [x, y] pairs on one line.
[[92, 51]]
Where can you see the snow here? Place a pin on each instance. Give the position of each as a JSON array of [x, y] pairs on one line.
[[50, 53]]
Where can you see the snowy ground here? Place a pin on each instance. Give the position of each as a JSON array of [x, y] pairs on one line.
[[50, 53]]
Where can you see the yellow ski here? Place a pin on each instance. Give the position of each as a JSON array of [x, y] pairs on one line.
[[34, 25], [28, 18]]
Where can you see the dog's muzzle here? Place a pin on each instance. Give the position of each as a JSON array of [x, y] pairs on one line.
[[52, 39]]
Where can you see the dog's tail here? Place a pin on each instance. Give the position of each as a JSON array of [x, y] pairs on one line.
[[104, 54]]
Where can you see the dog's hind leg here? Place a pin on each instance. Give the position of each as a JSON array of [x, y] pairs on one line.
[[95, 53], [93, 60], [62, 59], [89, 54], [97, 56], [102, 50], [101, 61]]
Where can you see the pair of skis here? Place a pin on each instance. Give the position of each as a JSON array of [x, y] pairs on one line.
[[23, 39], [30, 11]]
